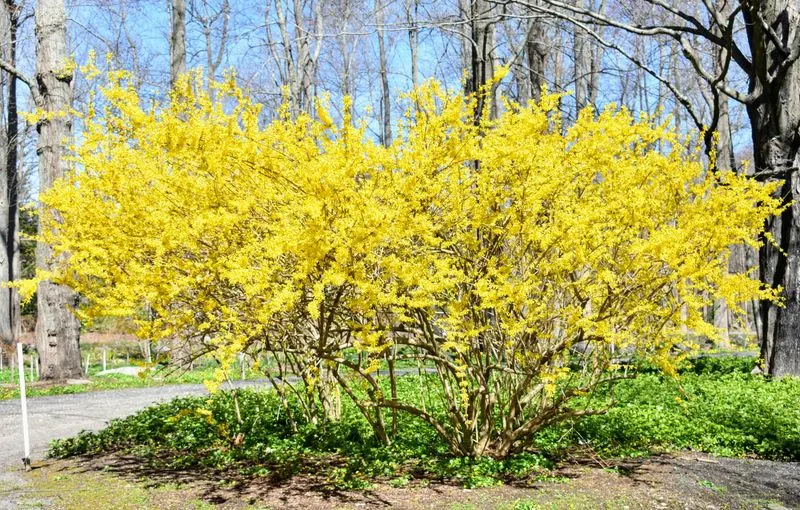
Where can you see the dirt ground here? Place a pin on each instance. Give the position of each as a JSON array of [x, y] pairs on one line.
[[685, 481]]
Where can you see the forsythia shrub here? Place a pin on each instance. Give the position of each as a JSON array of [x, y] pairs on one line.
[[516, 257]]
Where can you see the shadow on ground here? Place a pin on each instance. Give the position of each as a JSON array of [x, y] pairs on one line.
[[681, 481]]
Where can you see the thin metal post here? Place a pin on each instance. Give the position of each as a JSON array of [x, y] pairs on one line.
[[26, 460]]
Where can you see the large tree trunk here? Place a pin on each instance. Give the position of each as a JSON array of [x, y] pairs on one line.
[[57, 328], [775, 121], [481, 63], [536, 52], [177, 41], [582, 69], [180, 352], [9, 211]]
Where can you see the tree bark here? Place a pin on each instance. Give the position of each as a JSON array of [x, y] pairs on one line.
[[386, 104], [725, 161], [481, 63], [57, 328], [9, 193], [177, 41], [582, 69], [775, 124], [412, 15], [536, 52]]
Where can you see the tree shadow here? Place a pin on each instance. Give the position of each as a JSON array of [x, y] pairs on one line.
[[281, 483], [730, 478]]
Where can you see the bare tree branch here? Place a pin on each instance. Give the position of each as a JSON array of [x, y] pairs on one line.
[[5, 66], [562, 9]]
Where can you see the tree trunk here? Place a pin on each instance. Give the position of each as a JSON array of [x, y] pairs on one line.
[[57, 328], [386, 104], [412, 15], [481, 64], [177, 41], [595, 55], [9, 194], [775, 124], [465, 18], [724, 149], [536, 51], [180, 352], [582, 69]]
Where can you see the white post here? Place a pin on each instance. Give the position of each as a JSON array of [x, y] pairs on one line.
[[104, 360], [26, 460], [88, 357]]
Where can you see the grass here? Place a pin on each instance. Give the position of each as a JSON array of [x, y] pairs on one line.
[[155, 376], [715, 407], [71, 489]]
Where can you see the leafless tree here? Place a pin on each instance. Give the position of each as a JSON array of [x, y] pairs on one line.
[[296, 55], [766, 56], [214, 23], [10, 265]]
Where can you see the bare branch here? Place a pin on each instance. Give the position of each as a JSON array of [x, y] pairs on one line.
[[13, 71], [694, 59], [562, 10], [773, 36], [679, 96]]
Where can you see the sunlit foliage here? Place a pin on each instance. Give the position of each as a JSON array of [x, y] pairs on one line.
[[518, 258]]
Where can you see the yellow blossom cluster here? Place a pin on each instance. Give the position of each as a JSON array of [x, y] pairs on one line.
[[515, 255]]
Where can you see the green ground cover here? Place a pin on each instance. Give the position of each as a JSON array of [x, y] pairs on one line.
[[716, 406]]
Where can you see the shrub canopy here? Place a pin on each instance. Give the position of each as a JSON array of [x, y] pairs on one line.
[[516, 256]]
